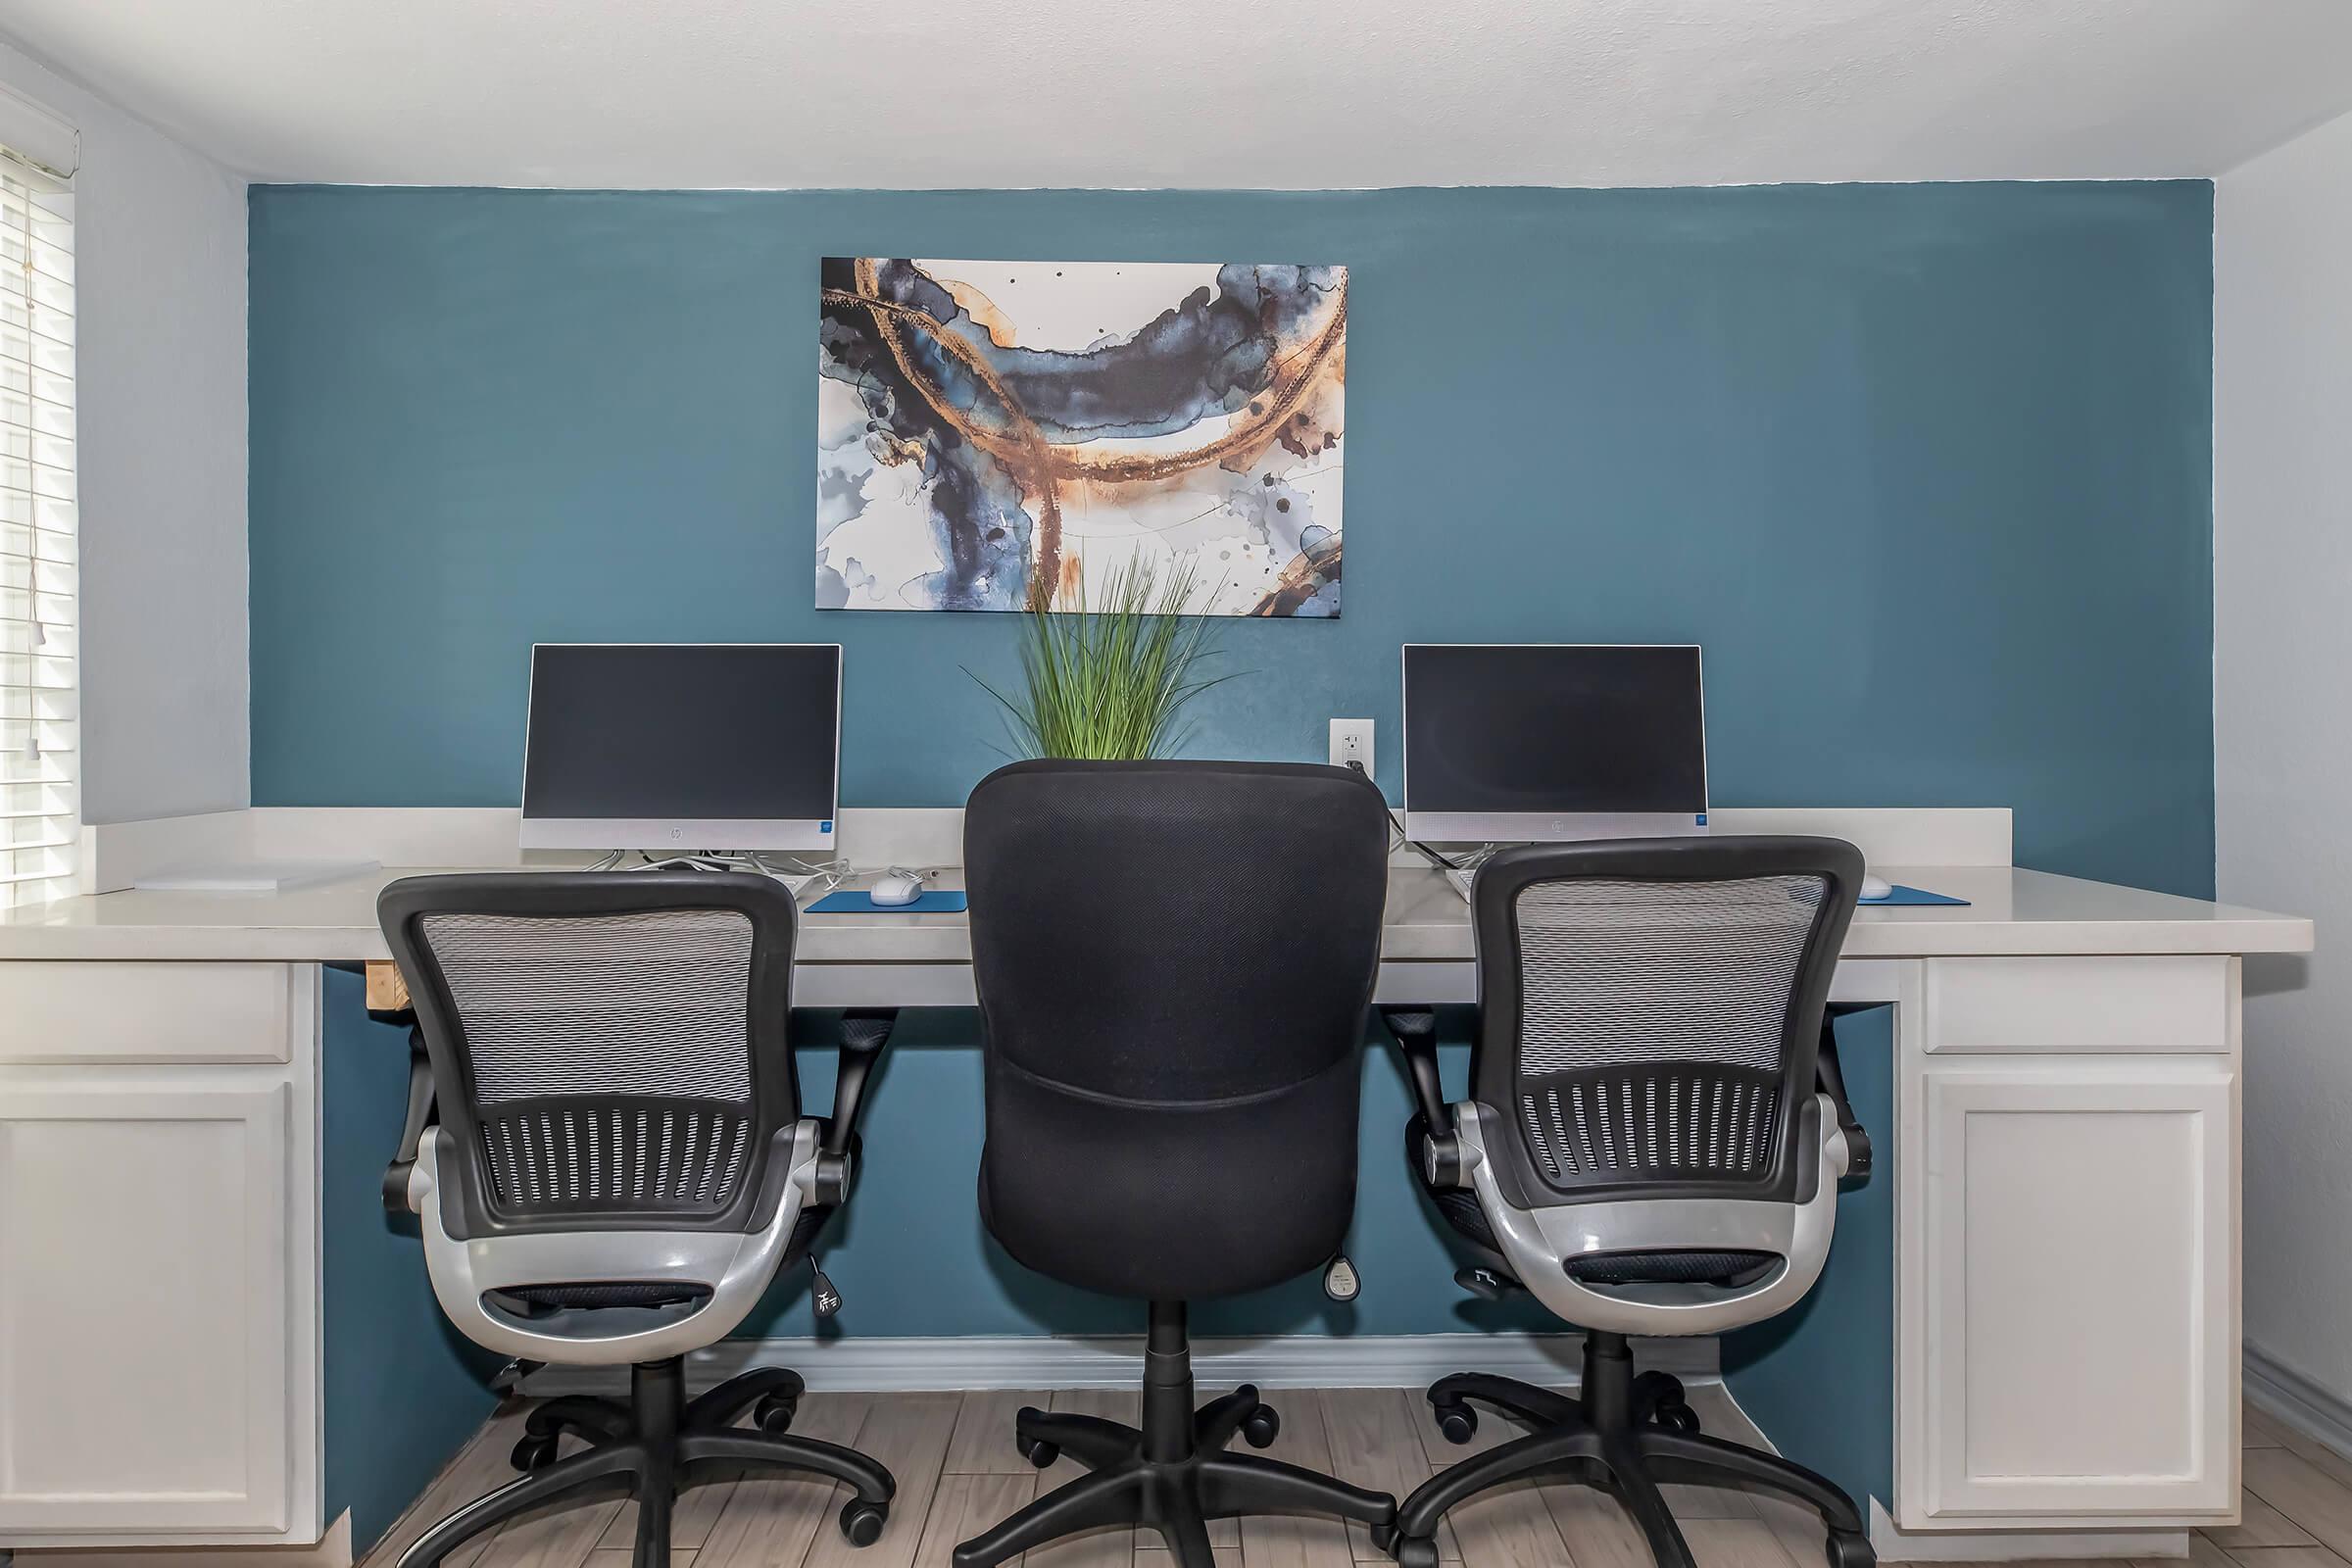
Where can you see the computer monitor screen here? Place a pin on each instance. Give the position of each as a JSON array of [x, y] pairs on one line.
[[1531, 741], [682, 745]]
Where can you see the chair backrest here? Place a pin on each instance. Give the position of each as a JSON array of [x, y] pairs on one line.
[[1174, 963], [609, 1048], [1650, 1011]]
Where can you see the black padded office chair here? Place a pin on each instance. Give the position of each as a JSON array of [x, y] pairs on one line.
[[1646, 1147], [1175, 963], [610, 1164]]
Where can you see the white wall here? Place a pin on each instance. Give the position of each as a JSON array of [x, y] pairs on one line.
[[159, 362], [2283, 697]]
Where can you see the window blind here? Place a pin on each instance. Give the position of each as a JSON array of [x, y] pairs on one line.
[[40, 822]]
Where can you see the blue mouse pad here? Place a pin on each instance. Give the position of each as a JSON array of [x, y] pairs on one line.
[[1900, 895], [847, 902]]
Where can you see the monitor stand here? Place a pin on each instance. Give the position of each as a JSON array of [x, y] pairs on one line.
[[687, 863]]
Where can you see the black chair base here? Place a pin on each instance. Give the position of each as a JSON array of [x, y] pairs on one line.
[[1172, 1473], [1621, 1432], [655, 1447]]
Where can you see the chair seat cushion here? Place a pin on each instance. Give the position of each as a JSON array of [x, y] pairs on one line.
[[1462, 1211]]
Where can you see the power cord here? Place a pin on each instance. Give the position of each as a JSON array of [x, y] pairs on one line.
[[1441, 863], [820, 876]]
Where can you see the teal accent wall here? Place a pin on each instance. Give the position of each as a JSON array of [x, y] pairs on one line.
[[1925, 468], [402, 1390], [1818, 1378]]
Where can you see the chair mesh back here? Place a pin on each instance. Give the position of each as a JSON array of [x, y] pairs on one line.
[[1653, 1028], [572, 1024], [1661, 972], [602, 1036], [646, 1003]]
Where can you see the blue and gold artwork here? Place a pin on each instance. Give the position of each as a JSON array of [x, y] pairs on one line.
[[996, 435]]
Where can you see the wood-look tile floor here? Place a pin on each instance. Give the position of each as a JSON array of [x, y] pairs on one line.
[[959, 1471]]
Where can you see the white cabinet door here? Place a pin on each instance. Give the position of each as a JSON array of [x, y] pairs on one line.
[[146, 1358], [2076, 1329]]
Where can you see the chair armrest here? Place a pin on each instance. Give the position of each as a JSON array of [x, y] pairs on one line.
[[412, 1132], [1416, 1033], [1831, 1077], [864, 1036]]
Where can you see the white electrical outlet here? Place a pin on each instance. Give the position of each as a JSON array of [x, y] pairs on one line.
[[1351, 743]]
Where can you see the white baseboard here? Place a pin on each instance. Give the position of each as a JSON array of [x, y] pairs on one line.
[[2287, 1395], [333, 1550], [874, 1365], [1895, 1545]]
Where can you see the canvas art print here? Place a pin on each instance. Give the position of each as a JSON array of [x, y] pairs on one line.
[[1006, 435]]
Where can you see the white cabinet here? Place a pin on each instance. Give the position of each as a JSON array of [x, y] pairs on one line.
[[2068, 1309], [158, 1312]]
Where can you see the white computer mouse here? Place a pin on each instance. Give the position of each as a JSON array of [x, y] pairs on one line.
[[895, 888], [1873, 887]]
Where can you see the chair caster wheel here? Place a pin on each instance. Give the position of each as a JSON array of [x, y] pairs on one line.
[[1458, 1423], [775, 1412], [1678, 1417], [1414, 1551], [1039, 1452], [1850, 1551], [861, 1522], [1262, 1426], [534, 1451]]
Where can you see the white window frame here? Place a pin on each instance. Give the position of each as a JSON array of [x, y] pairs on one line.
[[40, 750]]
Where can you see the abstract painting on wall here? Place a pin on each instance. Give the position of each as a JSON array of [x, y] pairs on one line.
[[1007, 435]]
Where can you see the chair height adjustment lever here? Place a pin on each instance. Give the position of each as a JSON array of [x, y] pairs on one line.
[[823, 1299], [1487, 1284]]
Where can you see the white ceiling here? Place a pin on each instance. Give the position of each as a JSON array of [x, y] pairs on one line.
[[1207, 93]]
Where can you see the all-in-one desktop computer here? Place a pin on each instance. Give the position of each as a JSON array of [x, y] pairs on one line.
[[1532, 742], [675, 748]]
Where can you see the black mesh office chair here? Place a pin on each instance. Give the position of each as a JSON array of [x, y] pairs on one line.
[[1647, 1149], [1174, 962], [610, 1164]]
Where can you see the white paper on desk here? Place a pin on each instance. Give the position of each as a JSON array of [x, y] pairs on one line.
[[250, 876]]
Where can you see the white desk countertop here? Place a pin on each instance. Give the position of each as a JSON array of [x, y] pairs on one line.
[[2010, 912]]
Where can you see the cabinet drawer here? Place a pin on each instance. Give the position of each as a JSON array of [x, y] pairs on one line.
[[2121, 1003], [81, 1014]]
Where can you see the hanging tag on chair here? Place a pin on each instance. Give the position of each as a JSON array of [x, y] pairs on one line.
[[1340, 1281], [822, 1296]]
